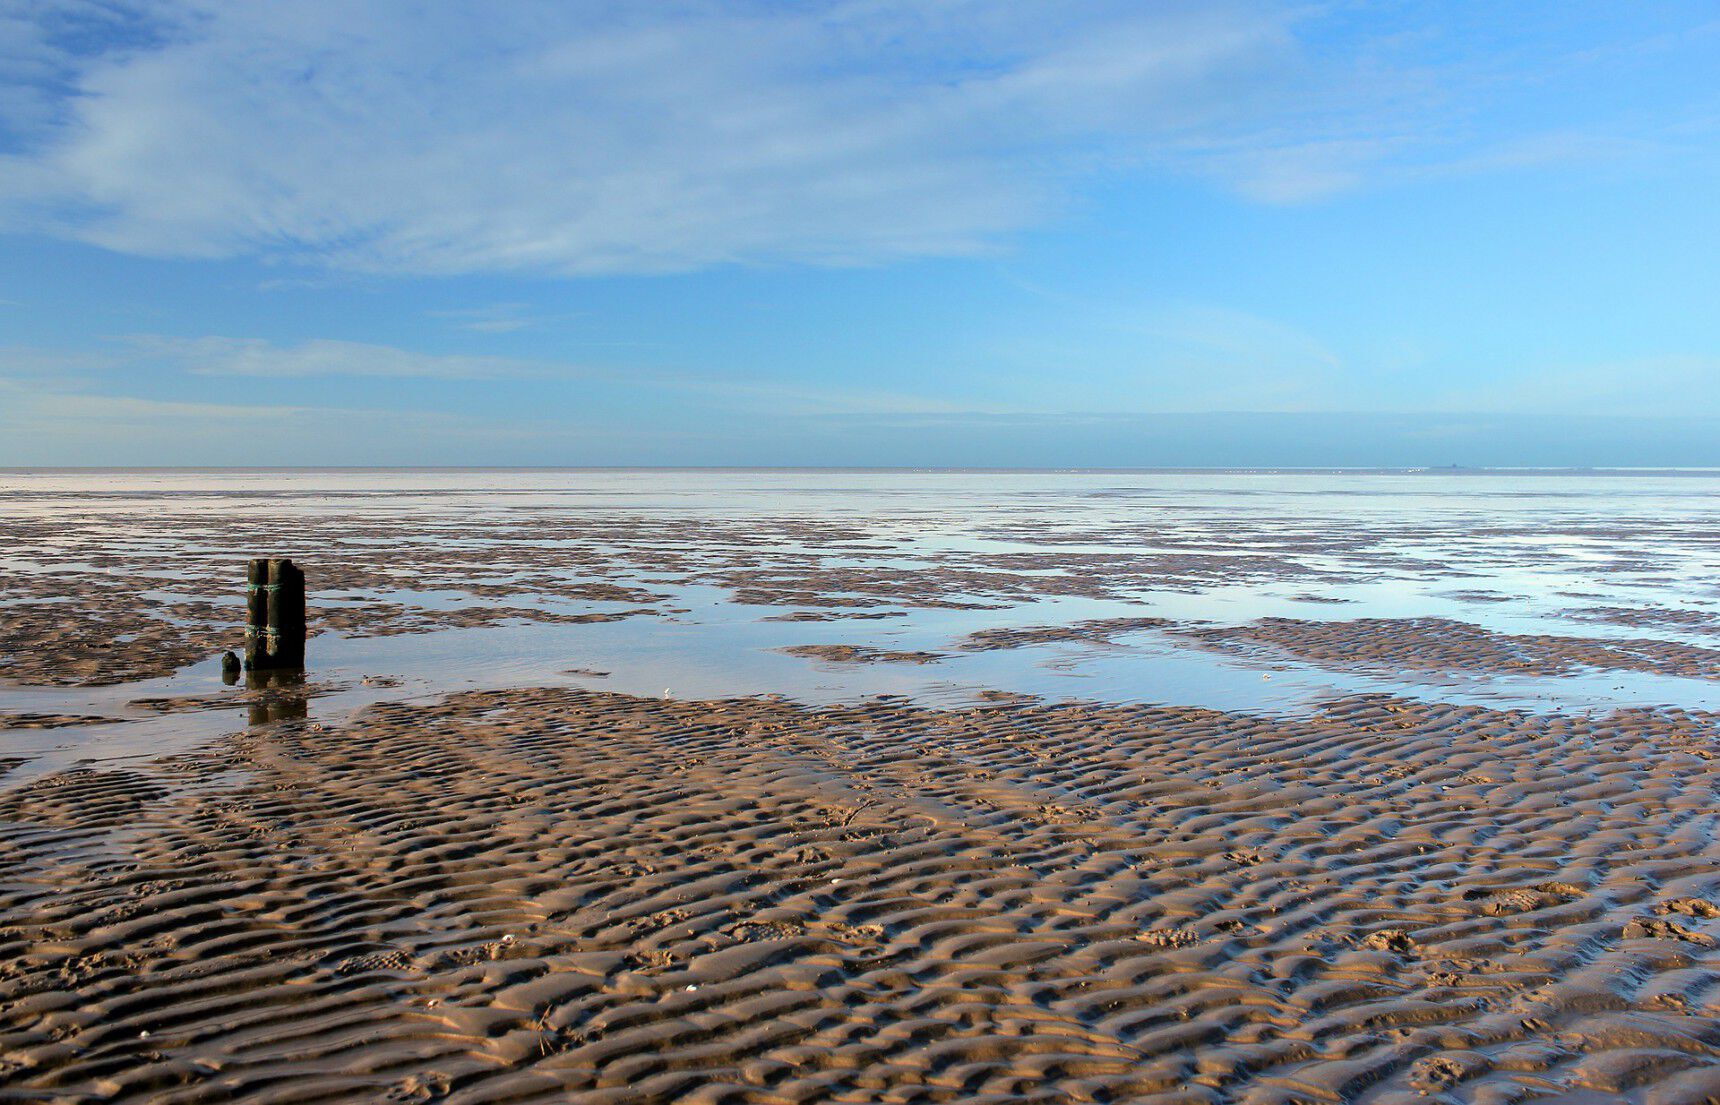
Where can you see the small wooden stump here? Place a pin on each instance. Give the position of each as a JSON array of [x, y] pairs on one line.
[[275, 615]]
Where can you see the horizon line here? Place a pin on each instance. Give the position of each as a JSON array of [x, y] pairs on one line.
[[1443, 469]]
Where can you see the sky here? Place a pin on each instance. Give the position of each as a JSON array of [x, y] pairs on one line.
[[859, 232]]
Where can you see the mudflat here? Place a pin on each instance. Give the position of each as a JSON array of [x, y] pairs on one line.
[[1484, 883]]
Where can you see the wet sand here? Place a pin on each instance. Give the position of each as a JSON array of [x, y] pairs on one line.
[[860, 654], [525, 895], [365, 888], [1400, 644]]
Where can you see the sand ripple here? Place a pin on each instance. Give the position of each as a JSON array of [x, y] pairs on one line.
[[521, 896]]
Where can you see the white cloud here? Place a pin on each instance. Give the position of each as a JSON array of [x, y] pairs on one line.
[[575, 138], [559, 136]]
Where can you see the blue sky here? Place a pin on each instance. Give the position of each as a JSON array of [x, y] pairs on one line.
[[866, 232]]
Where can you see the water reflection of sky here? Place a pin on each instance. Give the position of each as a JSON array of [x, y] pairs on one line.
[[1515, 553]]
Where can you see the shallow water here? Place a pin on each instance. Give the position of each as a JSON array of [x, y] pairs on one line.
[[1516, 553]]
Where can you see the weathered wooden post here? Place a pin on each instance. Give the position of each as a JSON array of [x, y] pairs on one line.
[[256, 612], [274, 615], [287, 614]]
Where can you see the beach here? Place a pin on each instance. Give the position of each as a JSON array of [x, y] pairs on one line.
[[864, 786]]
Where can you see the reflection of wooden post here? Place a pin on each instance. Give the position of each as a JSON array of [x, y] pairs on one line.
[[274, 615], [277, 696]]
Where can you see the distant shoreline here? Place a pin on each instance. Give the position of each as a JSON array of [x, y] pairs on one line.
[[1238, 470]]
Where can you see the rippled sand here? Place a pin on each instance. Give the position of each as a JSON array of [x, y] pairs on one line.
[[512, 896]]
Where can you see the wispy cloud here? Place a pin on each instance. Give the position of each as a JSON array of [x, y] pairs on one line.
[[221, 356], [782, 399], [385, 136], [82, 375], [34, 402], [1143, 354], [1645, 386], [492, 318], [49, 421]]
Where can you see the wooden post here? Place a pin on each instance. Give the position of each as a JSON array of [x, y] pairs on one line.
[[287, 614], [256, 614], [274, 615]]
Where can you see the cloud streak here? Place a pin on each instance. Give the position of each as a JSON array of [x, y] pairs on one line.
[[221, 356], [75, 375], [494, 318], [58, 422]]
